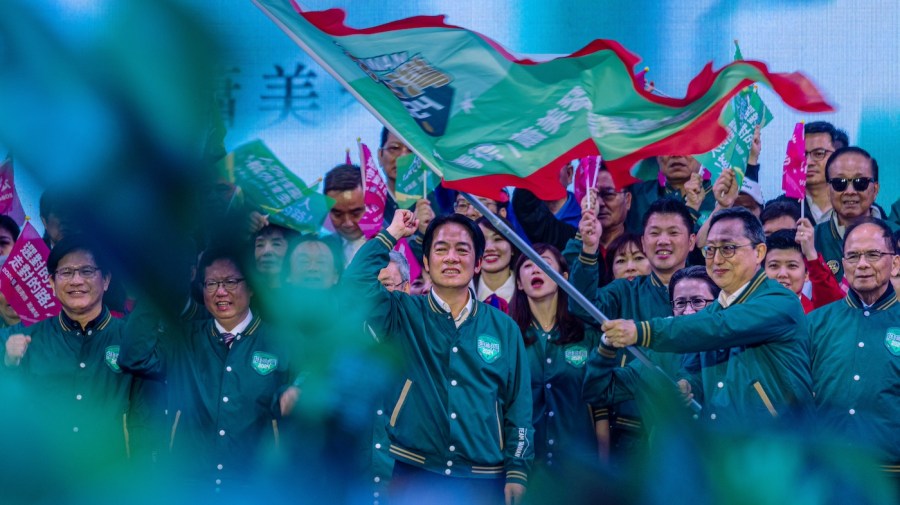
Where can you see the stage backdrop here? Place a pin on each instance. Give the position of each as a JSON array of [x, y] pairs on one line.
[[269, 89]]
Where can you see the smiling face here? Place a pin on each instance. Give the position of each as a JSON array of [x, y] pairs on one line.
[[787, 267], [732, 273], [497, 252], [667, 242], [313, 266], [536, 284], [869, 279], [229, 308], [630, 262], [81, 296], [451, 261], [850, 203], [7, 241]]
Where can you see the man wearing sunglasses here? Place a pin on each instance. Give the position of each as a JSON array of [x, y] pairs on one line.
[[852, 175], [855, 349]]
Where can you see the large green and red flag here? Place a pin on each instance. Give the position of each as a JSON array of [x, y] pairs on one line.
[[274, 189], [485, 119]]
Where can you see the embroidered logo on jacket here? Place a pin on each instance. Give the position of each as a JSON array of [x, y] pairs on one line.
[[111, 356], [488, 348], [892, 341], [264, 363], [834, 266], [576, 355]]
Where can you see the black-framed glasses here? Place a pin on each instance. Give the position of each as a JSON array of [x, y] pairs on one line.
[[67, 273], [818, 154], [859, 183], [390, 286], [696, 303], [727, 250], [872, 256], [229, 285]]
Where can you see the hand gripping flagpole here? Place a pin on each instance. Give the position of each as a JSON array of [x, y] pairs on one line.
[[561, 281]]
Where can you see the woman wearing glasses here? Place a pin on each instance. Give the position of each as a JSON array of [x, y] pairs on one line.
[[606, 383]]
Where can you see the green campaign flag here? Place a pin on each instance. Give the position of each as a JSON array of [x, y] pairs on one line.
[[740, 117], [485, 119], [269, 185], [414, 181]]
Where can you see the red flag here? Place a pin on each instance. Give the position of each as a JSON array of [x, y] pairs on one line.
[[414, 268], [347, 158], [9, 198], [375, 191], [793, 182], [24, 279]]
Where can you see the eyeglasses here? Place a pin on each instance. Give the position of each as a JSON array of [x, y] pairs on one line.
[[859, 183], [853, 257], [392, 286], [727, 251], [67, 274], [696, 303], [229, 285], [609, 195], [463, 206], [818, 154]]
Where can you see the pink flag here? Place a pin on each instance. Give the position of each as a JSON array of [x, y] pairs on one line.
[[9, 198], [414, 268], [376, 194], [24, 279], [586, 175], [793, 182], [640, 79]]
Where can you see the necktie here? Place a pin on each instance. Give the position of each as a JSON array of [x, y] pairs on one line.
[[228, 338]]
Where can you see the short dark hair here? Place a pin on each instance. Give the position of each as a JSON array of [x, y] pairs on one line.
[[343, 177], [886, 231], [51, 202], [783, 240], [332, 246], [852, 150], [384, 136], [753, 229], [221, 252], [896, 238], [840, 138], [824, 127], [73, 243], [692, 272], [669, 205], [780, 208], [288, 233], [468, 224], [9, 224]]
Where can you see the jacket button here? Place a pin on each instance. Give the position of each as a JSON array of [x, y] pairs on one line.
[[866, 313], [447, 471], [549, 361], [227, 368], [721, 385], [449, 463], [551, 413], [219, 466], [77, 397], [221, 433], [379, 412], [862, 344], [82, 365], [856, 377], [453, 382], [452, 448], [225, 399], [455, 349], [453, 415], [378, 446], [75, 429], [852, 411], [712, 416]]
